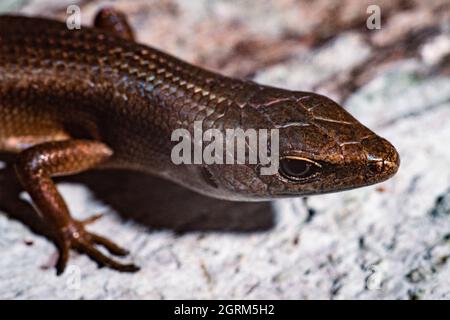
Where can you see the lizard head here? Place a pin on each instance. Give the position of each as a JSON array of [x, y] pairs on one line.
[[321, 149]]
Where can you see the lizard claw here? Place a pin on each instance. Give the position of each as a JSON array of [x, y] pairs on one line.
[[61, 264], [92, 219], [76, 237], [108, 244]]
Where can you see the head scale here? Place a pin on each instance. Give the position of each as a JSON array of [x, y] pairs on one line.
[[322, 149]]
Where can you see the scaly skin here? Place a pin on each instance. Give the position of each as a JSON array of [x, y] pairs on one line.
[[92, 98]]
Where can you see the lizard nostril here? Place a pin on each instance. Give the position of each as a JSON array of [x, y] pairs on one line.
[[376, 167]]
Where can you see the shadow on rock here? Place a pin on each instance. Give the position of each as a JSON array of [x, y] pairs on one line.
[[150, 201], [160, 204]]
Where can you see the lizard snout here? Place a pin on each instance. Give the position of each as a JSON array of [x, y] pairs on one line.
[[383, 159]]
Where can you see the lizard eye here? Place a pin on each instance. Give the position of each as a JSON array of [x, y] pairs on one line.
[[295, 168]]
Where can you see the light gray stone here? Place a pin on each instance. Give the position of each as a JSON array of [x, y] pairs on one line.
[[389, 241]]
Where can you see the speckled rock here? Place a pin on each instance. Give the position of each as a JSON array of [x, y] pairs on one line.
[[388, 241]]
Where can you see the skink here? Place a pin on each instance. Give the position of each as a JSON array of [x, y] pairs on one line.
[[73, 100]]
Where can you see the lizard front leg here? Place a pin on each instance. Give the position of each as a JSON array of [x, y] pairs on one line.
[[35, 168]]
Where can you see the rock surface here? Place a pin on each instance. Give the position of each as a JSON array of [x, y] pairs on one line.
[[389, 241]]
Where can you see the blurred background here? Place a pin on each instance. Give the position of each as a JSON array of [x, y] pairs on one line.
[[391, 240]]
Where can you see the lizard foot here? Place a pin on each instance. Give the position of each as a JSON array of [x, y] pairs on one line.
[[74, 236]]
